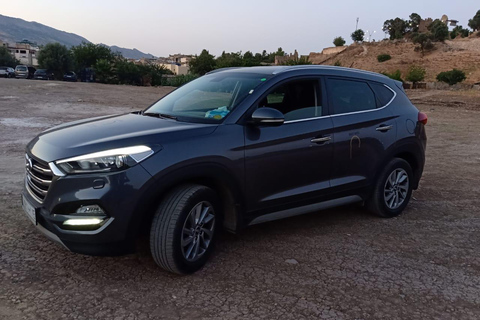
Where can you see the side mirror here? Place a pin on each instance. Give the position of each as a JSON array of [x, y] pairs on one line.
[[268, 117]]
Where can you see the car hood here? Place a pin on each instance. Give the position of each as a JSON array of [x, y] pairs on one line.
[[110, 132]]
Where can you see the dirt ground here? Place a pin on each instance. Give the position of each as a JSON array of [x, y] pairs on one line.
[[337, 264]]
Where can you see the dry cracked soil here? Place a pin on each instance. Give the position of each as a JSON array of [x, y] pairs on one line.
[[336, 264]]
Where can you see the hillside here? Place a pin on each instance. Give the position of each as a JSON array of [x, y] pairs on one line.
[[15, 29], [131, 53], [461, 54]]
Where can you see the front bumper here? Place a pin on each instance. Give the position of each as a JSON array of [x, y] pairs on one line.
[[119, 194]]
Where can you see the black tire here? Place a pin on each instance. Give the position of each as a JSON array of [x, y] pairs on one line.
[[377, 203], [166, 231]]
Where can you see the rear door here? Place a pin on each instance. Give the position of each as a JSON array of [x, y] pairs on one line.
[[291, 162], [364, 127]]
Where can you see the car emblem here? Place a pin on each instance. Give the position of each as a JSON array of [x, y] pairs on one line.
[[28, 163]]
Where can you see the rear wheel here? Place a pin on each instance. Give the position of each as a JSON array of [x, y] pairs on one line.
[[393, 189], [183, 231]]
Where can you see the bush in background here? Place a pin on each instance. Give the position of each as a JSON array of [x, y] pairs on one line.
[[383, 57], [337, 63], [396, 75], [415, 74], [339, 42], [451, 77]]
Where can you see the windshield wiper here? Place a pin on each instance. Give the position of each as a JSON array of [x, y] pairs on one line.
[[159, 115]]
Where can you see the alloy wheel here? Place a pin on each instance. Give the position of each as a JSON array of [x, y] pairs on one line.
[[396, 188], [198, 230]]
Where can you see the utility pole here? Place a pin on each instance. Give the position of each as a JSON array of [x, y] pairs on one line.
[[356, 27]]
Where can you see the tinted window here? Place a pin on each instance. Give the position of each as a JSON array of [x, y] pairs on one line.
[[383, 94], [350, 96], [296, 100]]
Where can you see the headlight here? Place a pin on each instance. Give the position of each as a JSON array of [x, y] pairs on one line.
[[105, 161]]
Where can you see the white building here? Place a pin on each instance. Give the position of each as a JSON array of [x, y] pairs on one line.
[[24, 51]]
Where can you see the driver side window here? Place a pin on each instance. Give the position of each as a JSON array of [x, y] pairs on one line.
[[299, 99]]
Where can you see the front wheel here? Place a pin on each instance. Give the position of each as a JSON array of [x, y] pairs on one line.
[[184, 229], [393, 189]]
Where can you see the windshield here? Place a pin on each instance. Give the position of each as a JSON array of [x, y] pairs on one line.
[[209, 98], [21, 68]]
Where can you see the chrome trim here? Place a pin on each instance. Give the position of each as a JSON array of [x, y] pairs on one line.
[[57, 172], [43, 182], [306, 209], [383, 129], [322, 139], [41, 170], [30, 192], [306, 119], [34, 187], [349, 113]]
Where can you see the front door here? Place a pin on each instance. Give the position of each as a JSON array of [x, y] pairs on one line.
[[291, 162]]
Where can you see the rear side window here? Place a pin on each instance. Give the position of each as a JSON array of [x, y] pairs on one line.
[[350, 96], [383, 94]]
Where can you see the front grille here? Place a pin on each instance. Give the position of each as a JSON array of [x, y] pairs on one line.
[[38, 178]]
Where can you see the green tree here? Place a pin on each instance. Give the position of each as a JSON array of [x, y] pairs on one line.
[[6, 59], [474, 23], [416, 74], [105, 72], [451, 77], [358, 35], [339, 42], [86, 55], [56, 58], [249, 60], [202, 64], [439, 30], [414, 22], [424, 40], [229, 60], [396, 28], [459, 30]]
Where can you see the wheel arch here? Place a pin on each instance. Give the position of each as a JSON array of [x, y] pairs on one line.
[[214, 176], [412, 152]]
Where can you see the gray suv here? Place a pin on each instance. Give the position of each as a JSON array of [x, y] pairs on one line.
[[233, 148]]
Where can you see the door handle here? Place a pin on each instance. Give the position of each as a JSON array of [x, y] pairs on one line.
[[321, 140], [384, 128]]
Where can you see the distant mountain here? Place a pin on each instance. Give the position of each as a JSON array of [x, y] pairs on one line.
[[15, 29], [131, 53]]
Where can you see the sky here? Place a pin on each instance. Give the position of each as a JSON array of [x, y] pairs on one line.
[[188, 26]]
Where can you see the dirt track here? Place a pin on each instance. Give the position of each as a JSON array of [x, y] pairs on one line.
[[337, 264]]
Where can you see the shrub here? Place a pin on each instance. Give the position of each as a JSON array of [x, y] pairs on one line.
[[339, 42], [383, 57], [416, 74], [337, 63], [451, 77], [396, 75]]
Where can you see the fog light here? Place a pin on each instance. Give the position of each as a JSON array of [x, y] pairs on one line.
[[91, 210], [82, 222]]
